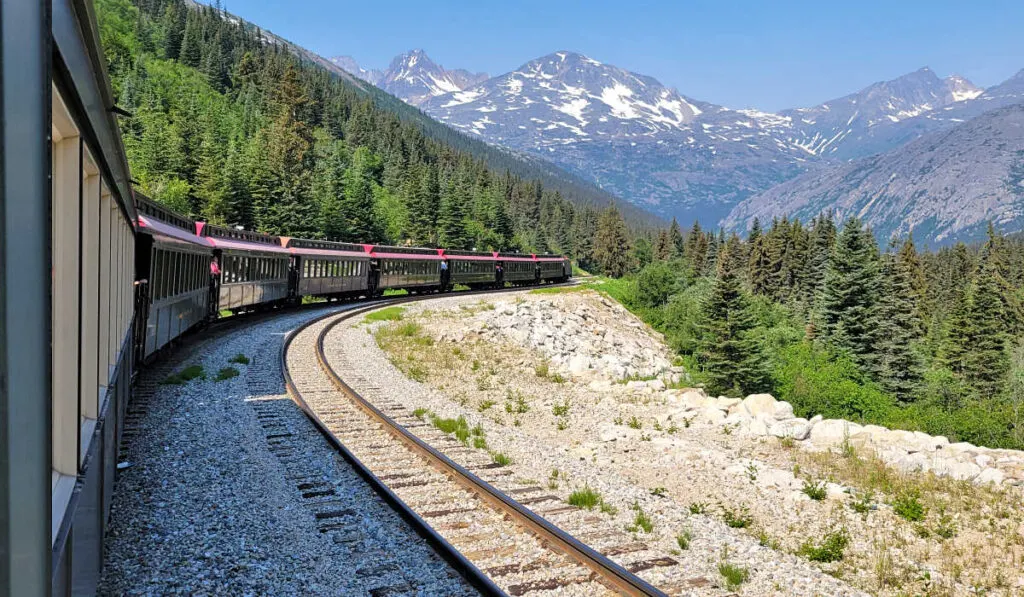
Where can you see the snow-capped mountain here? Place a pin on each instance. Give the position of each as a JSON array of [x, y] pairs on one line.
[[679, 156], [413, 76], [845, 127]]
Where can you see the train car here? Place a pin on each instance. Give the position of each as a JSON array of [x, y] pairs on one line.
[[253, 266], [518, 268], [405, 268], [328, 269], [172, 268], [474, 269], [553, 268]]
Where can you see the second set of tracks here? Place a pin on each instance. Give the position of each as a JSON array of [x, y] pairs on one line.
[[497, 543]]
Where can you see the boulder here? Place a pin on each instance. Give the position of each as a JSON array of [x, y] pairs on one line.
[[797, 429], [656, 384], [833, 431], [757, 428], [636, 385], [711, 415], [579, 363], [783, 411], [757, 405], [990, 475]]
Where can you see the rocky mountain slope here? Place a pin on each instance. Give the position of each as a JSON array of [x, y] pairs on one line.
[[678, 156], [943, 186], [413, 76]]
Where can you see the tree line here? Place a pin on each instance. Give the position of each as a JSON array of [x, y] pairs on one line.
[[229, 127], [822, 316]]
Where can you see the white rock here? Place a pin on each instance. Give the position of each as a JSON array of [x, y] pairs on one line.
[[711, 415], [578, 364], [833, 431], [783, 410], [757, 405], [656, 384], [797, 429], [990, 475], [636, 385]]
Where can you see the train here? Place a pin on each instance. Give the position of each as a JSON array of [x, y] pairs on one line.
[[98, 279], [188, 272]]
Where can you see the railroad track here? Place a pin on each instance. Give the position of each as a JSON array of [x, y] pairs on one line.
[[496, 542]]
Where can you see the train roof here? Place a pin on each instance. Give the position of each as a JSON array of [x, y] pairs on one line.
[[239, 240], [153, 226], [389, 252], [470, 255], [144, 206], [324, 248]]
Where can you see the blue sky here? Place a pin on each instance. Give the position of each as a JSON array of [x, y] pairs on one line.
[[744, 54]]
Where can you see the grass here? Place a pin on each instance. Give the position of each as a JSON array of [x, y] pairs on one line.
[[815, 490], [239, 359], [683, 539], [864, 503], [635, 423], [829, 550], [185, 375], [641, 521], [458, 427], [500, 458], [226, 373], [516, 403], [737, 519], [484, 405], [698, 508], [385, 314], [421, 413], [734, 575], [561, 410], [587, 498]]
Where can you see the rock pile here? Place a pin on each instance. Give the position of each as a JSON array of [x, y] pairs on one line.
[[911, 451], [595, 338]]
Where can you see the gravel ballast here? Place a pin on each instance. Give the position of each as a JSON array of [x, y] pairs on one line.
[[226, 488]]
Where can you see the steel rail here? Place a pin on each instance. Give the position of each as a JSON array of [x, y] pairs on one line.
[[611, 573]]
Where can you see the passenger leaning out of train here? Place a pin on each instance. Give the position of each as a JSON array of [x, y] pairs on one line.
[[214, 268]]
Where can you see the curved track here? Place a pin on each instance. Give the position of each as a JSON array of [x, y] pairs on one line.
[[497, 543]]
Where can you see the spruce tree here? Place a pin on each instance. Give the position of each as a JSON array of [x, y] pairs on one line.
[[451, 222], [849, 305], [676, 237], [729, 354], [612, 251], [899, 330], [357, 203], [663, 248], [986, 361]]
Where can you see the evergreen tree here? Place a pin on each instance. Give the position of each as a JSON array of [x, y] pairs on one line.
[[899, 330], [849, 304], [986, 361], [451, 223], [612, 251], [675, 235], [357, 205], [663, 247], [728, 351]]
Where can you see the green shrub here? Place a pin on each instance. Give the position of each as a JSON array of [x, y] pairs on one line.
[[737, 519], [829, 550], [226, 373], [240, 359], [908, 506], [500, 459], [815, 491], [641, 521], [698, 508], [655, 284]]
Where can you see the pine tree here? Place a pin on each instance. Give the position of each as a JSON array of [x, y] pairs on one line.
[[729, 354], [899, 330], [849, 303], [451, 222], [612, 250], [697, 249], [357, 206], [663, 247], [986, 361], [191, 53], [676, 237], [761, 267]]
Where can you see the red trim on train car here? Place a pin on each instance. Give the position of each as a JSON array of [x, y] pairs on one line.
[[170, 231], [550, 259], [412, 256], [470, 257], [326, 253]]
